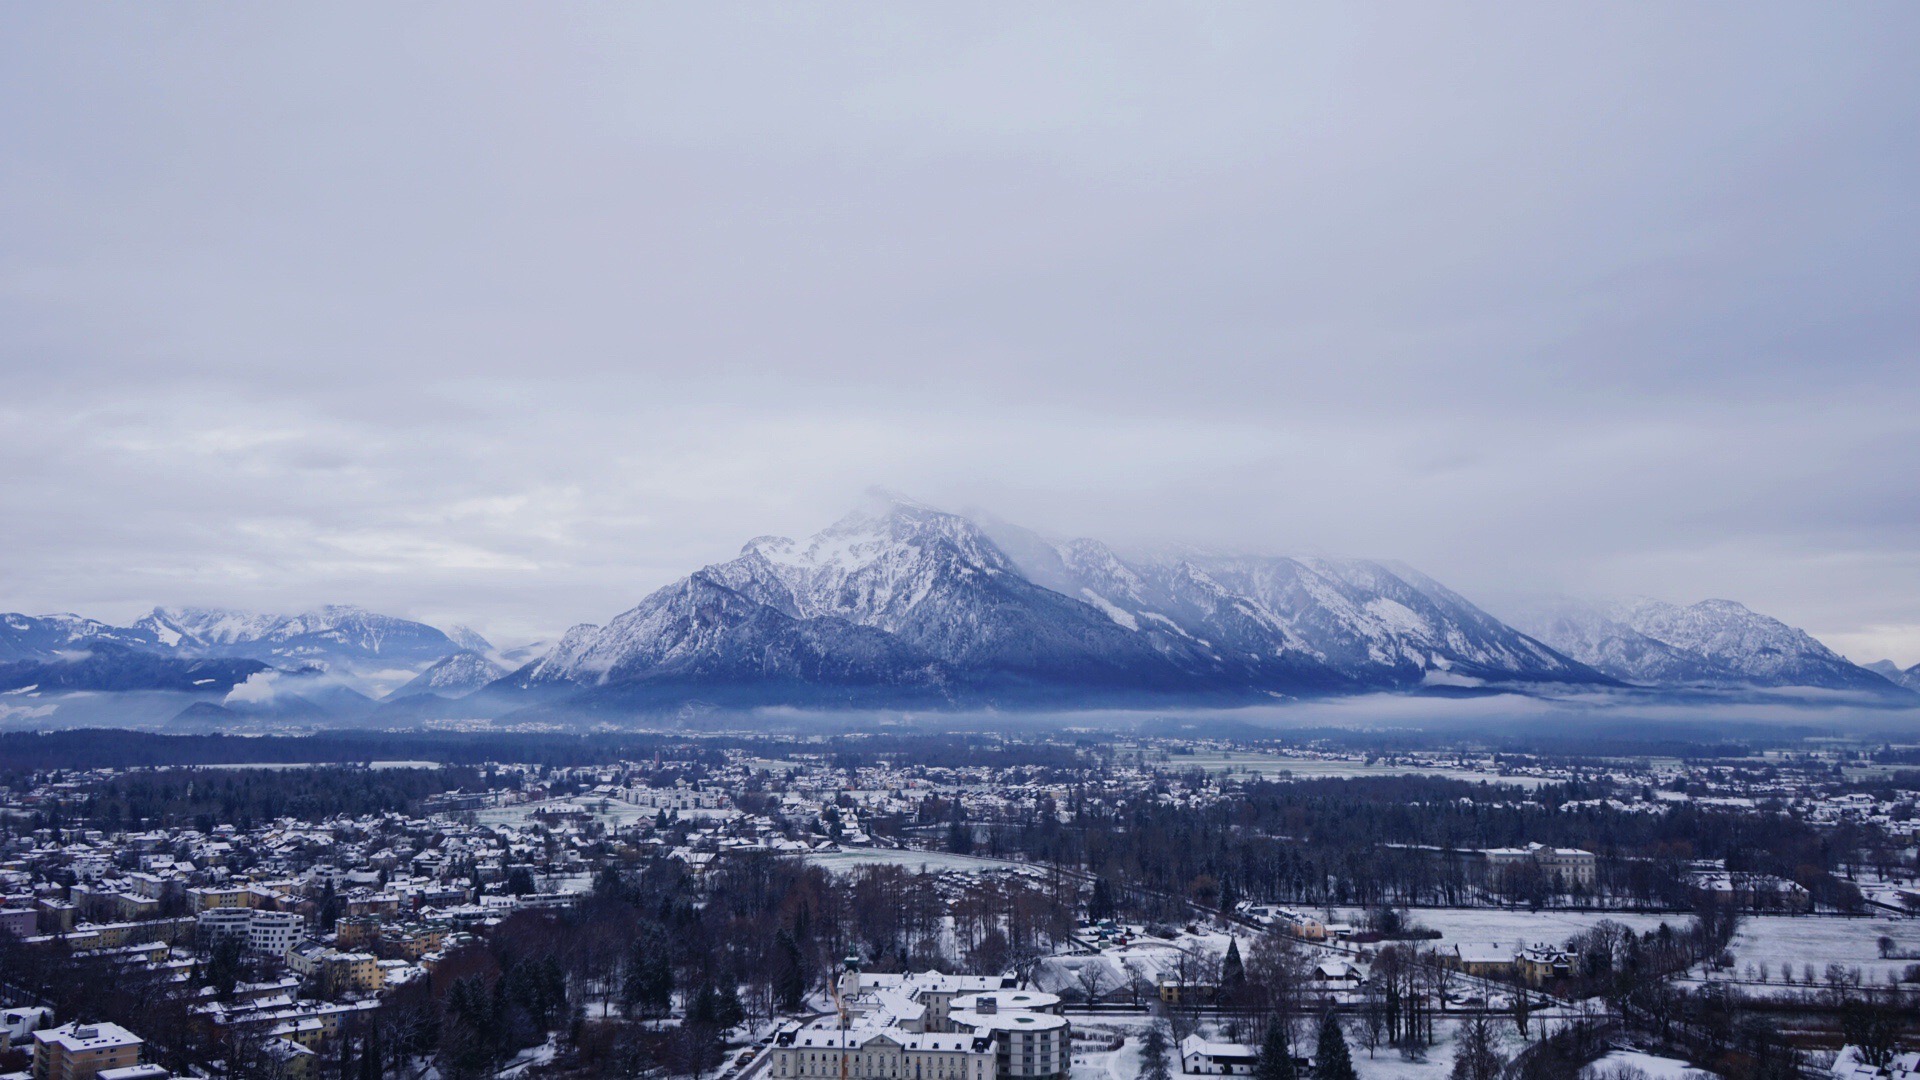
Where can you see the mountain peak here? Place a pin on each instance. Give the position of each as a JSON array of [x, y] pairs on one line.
[[1715, 641]]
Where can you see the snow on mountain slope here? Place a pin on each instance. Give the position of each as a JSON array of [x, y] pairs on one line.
[[1762, 650], [901, 595], [1618, 649], [937, 582], [109, 667], [1299, 622], [1713, 642], [905, 595], [698, 633], [48, 637], [469, 639], [1892, 672], [337, 634], [452, 676]]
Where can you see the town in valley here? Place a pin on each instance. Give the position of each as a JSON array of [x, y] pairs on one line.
[[902, 905]]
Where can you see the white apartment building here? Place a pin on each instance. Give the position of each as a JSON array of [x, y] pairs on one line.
[[270, 933]]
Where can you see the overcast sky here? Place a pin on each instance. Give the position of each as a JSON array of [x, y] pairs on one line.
[[510, 315]]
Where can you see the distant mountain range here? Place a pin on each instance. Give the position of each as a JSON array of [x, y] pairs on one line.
[[320, 666], [1711, 643], [906, 604], [1892, 672], [900, 604]]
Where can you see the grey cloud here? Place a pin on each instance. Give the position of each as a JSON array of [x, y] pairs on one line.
[[504, 315]]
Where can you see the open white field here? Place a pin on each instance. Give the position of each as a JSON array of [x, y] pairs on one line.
[[1777, 940], [1386, 1064], [1655, 1068], [1273, 764], [1527, 927], [841, 862], [613, 813]]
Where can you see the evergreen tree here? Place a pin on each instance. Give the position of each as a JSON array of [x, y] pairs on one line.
[[520, 881], [1233, 973], [789, 972], [959, 837], [1276, 1054], [1153, 1053], [370, 1064], [223, 965], [1331, 1059], [1100, 905], [648, 986]]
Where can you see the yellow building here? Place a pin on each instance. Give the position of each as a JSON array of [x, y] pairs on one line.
[[343, 971], [1483, 958], [413, 942], [205, 898], [355, 931], [80, 1051]]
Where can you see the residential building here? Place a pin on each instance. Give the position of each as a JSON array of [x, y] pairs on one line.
[[79, 1051]]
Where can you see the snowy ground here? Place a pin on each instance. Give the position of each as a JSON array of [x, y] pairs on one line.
[[1778, 940], [841, 862], [612, 813], [1316, 768], [1656, 1068], [1386, 1064], [1121, 1064], [1481, 925]]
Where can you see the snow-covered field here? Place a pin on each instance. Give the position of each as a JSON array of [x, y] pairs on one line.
[[613, 813], [1386, 1064], [1777, 940], [1656, 1068], [1481, 925], [844, 861], [1315, 768]]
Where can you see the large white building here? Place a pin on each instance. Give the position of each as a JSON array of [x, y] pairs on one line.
[[929, 1026], [1031, 1039], [1571, 866], [269, 933], [272, 933]]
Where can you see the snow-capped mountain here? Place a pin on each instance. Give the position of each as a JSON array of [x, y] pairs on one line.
[[469, 639], [203, 651], [902, 604], [1321, 621], [912, 600], [335, 634], [453, 676], [1713, 642], [1893, 673], [107, 666], [699, 637], [1589, 636], [50, 637]]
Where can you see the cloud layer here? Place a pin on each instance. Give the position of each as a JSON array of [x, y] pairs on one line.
[[507, 315]]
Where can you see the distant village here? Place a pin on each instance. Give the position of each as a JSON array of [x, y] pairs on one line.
[[280, 940]]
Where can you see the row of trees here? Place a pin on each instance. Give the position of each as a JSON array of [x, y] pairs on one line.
[[1397, 841]]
